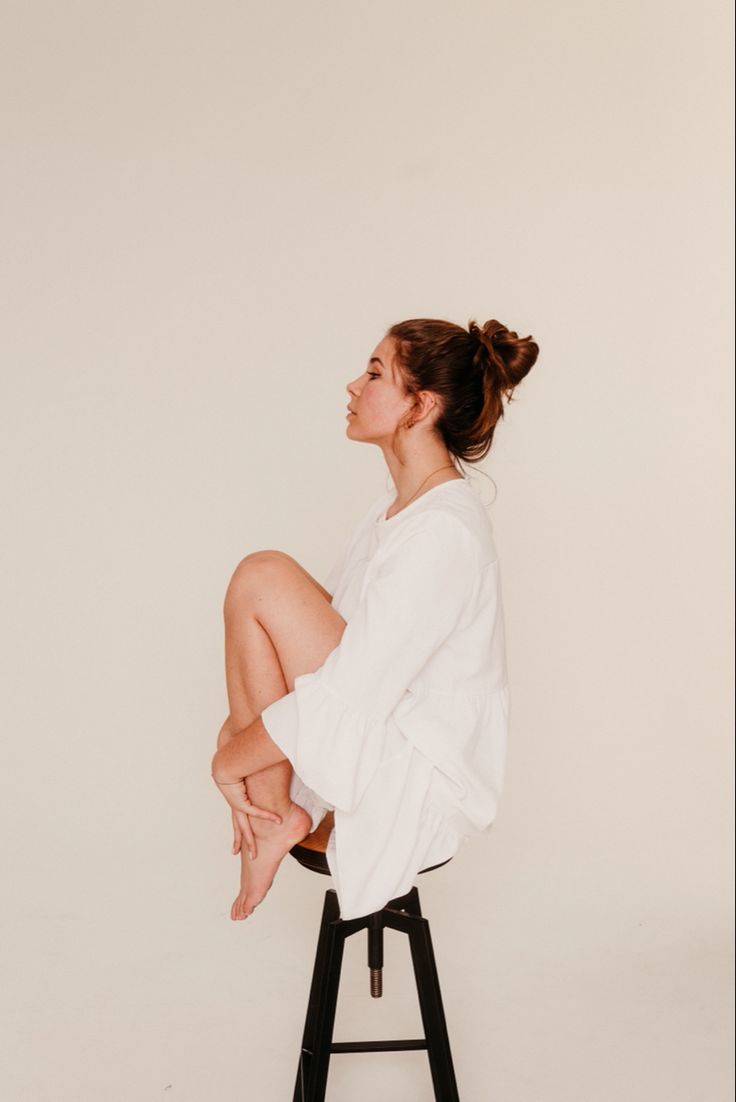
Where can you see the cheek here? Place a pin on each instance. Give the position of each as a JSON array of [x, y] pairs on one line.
[[383, 406]]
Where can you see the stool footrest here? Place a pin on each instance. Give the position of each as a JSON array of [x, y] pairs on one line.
[[379, 1046]]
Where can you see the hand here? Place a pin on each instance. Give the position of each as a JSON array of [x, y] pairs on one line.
[[236, 795], [237, 831], [242, 829]]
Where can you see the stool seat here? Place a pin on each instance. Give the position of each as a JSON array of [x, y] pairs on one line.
[[403, 914], [316, 860]]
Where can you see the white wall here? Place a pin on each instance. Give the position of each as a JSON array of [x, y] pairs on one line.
[[210, 215]]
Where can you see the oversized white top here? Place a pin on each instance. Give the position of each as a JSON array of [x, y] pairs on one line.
[[403, 728]]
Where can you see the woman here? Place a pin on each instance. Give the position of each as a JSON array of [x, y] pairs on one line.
[[381, 698]]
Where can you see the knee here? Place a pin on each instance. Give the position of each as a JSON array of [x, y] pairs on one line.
[[253, 572]]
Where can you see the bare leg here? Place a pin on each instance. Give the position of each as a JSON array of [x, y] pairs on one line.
[[278, 623], [254, 680]]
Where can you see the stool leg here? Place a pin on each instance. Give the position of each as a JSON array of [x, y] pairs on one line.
[[314, 1059], [433, 1015]]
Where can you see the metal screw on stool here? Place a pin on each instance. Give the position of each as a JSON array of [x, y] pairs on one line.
[[375, 954]]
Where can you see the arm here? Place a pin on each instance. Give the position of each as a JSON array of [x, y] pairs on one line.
[[247, 751], [225, 733]]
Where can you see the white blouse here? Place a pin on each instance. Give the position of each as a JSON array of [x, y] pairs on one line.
[[402, 730]]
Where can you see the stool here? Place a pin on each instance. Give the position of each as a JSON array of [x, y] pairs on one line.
[[404, 914]]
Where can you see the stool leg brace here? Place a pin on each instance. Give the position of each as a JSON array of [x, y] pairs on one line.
[[403, 914]]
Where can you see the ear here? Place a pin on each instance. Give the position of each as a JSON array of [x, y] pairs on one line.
[[427, 405]]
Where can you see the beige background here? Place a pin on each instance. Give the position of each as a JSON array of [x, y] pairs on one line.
[[210, 215]]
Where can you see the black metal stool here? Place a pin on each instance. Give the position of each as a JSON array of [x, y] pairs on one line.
[[402, 914]]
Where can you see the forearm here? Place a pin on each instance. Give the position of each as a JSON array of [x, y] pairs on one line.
[[245, 752], [226, 733]]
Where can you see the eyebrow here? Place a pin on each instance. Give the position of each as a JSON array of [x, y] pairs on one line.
[[375, 360]]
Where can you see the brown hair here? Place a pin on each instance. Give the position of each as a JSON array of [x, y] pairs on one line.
[[470, 370]]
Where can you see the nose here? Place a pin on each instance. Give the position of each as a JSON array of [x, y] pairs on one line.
[[351, 388]]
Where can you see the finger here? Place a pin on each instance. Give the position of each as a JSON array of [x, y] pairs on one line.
[[261, 813], [237, 834], [246, 832], [250, 840]]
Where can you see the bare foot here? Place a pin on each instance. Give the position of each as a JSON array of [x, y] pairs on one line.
[[273, 842]]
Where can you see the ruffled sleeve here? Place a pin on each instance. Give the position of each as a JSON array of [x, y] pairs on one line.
[[332, 726]]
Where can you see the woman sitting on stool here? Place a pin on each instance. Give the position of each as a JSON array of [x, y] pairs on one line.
[[380, 700]]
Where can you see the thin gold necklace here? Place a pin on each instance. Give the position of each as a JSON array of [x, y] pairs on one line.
[[444, 468]]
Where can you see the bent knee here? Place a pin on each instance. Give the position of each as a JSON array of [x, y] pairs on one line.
[[270, 555], [253, 572]]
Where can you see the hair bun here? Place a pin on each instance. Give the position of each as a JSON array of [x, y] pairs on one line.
[[471, 371], [491, 329], [502, 352]]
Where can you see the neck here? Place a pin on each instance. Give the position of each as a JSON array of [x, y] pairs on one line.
[[418, 463]]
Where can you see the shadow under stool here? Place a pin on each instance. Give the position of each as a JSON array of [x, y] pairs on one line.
[[403, 914]]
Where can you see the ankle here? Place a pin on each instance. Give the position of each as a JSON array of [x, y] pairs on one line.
[[266, 826]]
